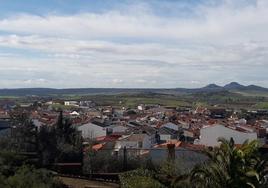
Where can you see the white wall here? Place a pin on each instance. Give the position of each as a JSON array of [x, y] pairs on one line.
[[209, 135], [92, 131], [127, 144], [165, 137], [146, 143]]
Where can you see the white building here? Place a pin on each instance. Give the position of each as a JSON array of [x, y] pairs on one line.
[[141, 107], [167, 134], [70, 103], [209, 135], [92, 130], [135, 141]]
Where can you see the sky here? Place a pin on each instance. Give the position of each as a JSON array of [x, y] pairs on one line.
[[132, 43]]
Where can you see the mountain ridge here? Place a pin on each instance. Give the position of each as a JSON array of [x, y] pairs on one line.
[[233, 87]]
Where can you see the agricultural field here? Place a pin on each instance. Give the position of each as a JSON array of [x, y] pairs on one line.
[[224, 99]]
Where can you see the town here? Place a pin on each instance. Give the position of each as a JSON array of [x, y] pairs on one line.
[[133, 94], [132, 136]]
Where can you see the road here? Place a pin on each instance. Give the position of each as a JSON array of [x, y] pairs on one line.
[[81, 183]]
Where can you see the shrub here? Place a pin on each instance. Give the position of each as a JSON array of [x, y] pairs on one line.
[[139, 178], [29, 177]]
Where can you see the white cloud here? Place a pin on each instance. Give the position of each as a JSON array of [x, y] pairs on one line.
[[214, 22], [136, 48]]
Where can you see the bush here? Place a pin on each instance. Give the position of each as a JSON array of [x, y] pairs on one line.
[[29, 177], [139, 178]]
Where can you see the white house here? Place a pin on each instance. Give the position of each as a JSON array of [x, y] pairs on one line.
[[209, 135], [167, 134], [136, 141], [141, 107], [70, 103], [93, 130]]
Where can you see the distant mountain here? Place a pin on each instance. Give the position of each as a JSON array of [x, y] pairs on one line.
[[231, 87], [209, 88], [212, 86], [256, 88]]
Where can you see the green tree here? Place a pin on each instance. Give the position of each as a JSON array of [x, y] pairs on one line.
[[24, 132], [231, 166], [14, 173], [60, 143]]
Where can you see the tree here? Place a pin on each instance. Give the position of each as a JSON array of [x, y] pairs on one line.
[[231, 166], [60, 143], [47, 146], [24, 132]]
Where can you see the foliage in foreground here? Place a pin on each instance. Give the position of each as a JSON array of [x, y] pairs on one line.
[[27, 176], [139, 178], [228, 166], [16, 172], [163, 176], [231, 166]]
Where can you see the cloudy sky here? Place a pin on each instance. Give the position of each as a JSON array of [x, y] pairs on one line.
[[133, 43]]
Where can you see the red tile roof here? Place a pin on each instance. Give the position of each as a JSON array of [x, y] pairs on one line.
[[97, 147]]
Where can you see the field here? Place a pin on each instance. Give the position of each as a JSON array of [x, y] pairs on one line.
[[262, 105], [131, 100], [224, 99]]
